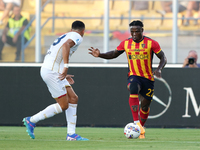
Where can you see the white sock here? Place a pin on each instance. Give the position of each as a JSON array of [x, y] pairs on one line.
[[71, 118], [48, 112], [136, 121]]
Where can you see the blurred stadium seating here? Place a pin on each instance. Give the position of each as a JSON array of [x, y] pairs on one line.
[[95, 8], [91, 12]]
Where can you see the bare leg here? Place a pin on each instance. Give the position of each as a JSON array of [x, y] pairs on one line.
[[8, 8], [189, 14], [2, 7]]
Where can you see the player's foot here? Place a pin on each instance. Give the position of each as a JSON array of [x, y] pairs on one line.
[[75, 137], [29, 126], [141, 136], [142, 131]]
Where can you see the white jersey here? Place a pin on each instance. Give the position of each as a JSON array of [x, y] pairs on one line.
[[53, 59]]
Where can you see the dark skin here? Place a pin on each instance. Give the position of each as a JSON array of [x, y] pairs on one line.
[[137, 36]]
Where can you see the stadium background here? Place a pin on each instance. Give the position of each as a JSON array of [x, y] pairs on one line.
[[103, 97], [101, 104], [157, 26]]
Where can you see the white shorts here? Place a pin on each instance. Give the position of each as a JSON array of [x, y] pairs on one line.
[[56, 87]]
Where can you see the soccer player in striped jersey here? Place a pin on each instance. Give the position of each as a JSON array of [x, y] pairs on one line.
[[139, 50], [54, 73]]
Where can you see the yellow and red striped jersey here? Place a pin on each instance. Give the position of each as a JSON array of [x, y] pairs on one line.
[[140, 56]]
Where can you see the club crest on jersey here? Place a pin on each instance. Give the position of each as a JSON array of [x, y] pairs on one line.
[[77, 40], [143, 45]]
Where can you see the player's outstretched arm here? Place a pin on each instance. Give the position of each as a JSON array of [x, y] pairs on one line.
[[109, 55], [94, 52], [163, 61]]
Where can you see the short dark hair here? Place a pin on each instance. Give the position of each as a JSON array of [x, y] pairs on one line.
[[136, 23], [78, 25]]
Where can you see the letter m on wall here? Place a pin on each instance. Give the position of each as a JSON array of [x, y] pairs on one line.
[[189, 93]]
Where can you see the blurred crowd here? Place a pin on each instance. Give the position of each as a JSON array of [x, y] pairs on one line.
[[7, 6], [190, 9]]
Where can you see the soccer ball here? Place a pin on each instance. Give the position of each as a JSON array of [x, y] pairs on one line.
[[132, 131]]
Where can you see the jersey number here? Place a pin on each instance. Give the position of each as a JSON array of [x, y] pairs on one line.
[[58, 40], [150, 93]]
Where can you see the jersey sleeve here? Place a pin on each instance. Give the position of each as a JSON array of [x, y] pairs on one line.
[[76, 38], [156, 47], [120, 48]]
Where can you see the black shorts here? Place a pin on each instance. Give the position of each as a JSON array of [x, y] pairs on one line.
[[146, 86]]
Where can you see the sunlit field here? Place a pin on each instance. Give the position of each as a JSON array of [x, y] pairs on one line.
[[53, 138]]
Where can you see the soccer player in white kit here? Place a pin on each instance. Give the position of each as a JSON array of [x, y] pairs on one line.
[[54, 73]]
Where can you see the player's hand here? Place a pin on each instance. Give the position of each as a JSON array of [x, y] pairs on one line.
[[157, 73], [70, 79], [63, 74], [94, 52]]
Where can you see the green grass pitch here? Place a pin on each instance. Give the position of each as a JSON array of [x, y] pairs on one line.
[[53, 138]]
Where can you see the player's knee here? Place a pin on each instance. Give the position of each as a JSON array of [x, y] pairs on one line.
[[134, 88], [145, 108], [74, 99], [64, 106], [145, 104]]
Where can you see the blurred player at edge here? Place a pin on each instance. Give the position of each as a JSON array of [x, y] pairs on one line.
[[54, 73], [139, 50]]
